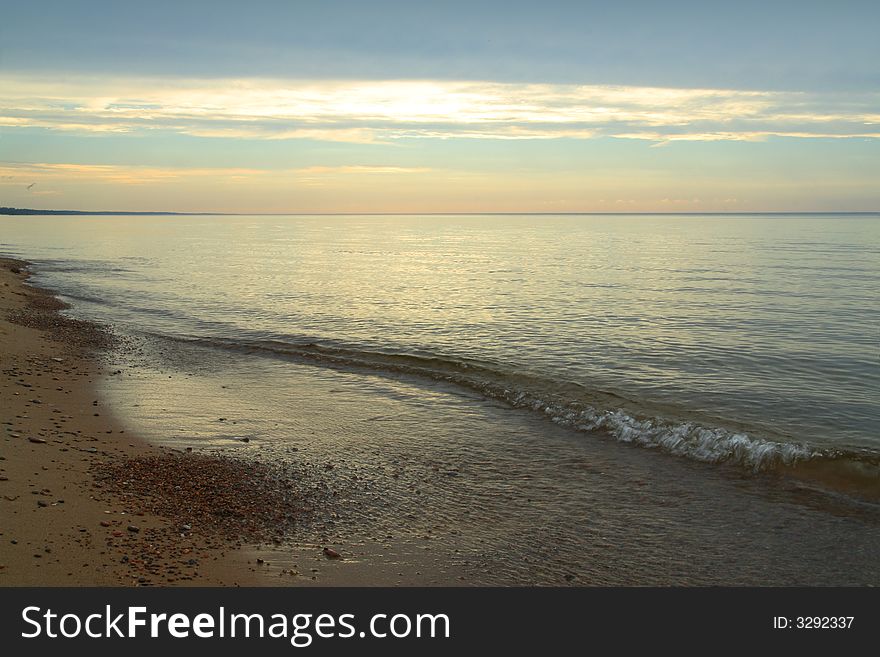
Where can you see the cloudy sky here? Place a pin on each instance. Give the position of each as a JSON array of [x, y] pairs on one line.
[[425, 106]]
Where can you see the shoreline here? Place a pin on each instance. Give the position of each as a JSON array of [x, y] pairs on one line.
[[216, 515], [61, 526], [87, 503]]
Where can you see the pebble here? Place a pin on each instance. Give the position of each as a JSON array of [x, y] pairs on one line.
[[330, 553], [38, 441], [228, 498]]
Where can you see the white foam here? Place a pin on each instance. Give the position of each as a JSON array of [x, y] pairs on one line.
[[710, 445]]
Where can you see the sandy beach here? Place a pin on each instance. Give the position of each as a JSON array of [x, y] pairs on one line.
[[65, 462]]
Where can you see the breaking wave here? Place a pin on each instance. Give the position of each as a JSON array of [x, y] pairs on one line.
[[591, 411]]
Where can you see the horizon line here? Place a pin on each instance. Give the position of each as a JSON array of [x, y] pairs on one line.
[[32, 211]]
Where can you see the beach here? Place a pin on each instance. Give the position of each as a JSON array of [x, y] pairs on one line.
[[486, 323], [59, 527], [473, 417], [86, 503]]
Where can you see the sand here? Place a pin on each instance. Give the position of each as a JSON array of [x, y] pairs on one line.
[[61, 526]]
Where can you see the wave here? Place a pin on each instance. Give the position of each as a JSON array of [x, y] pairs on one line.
[[595, 411]]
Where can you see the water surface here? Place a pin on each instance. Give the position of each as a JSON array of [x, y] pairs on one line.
[[608, 399]]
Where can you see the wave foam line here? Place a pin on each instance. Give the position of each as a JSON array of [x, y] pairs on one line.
[[595, 411]]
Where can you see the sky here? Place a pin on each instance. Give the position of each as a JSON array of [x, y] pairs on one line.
[[426, 106]]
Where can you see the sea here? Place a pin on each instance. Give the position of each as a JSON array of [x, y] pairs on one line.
[[510, 399]]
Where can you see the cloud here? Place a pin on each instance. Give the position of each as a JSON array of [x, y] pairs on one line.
[[12, 173], [361, 169], [387, 111], [127, 175]]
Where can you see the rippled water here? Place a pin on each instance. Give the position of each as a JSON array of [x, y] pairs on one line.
[[498, 371], [769, 322]]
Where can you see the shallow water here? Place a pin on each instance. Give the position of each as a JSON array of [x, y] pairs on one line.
[[425, 483], [515, 399]]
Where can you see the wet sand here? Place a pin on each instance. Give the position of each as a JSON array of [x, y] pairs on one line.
[[62, 450]]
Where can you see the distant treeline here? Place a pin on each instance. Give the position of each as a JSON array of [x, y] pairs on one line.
[[30, 211]]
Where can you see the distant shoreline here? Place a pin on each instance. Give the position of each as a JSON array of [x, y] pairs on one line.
[[29, 211]]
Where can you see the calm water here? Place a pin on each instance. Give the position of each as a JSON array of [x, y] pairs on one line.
[[611, 380]]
